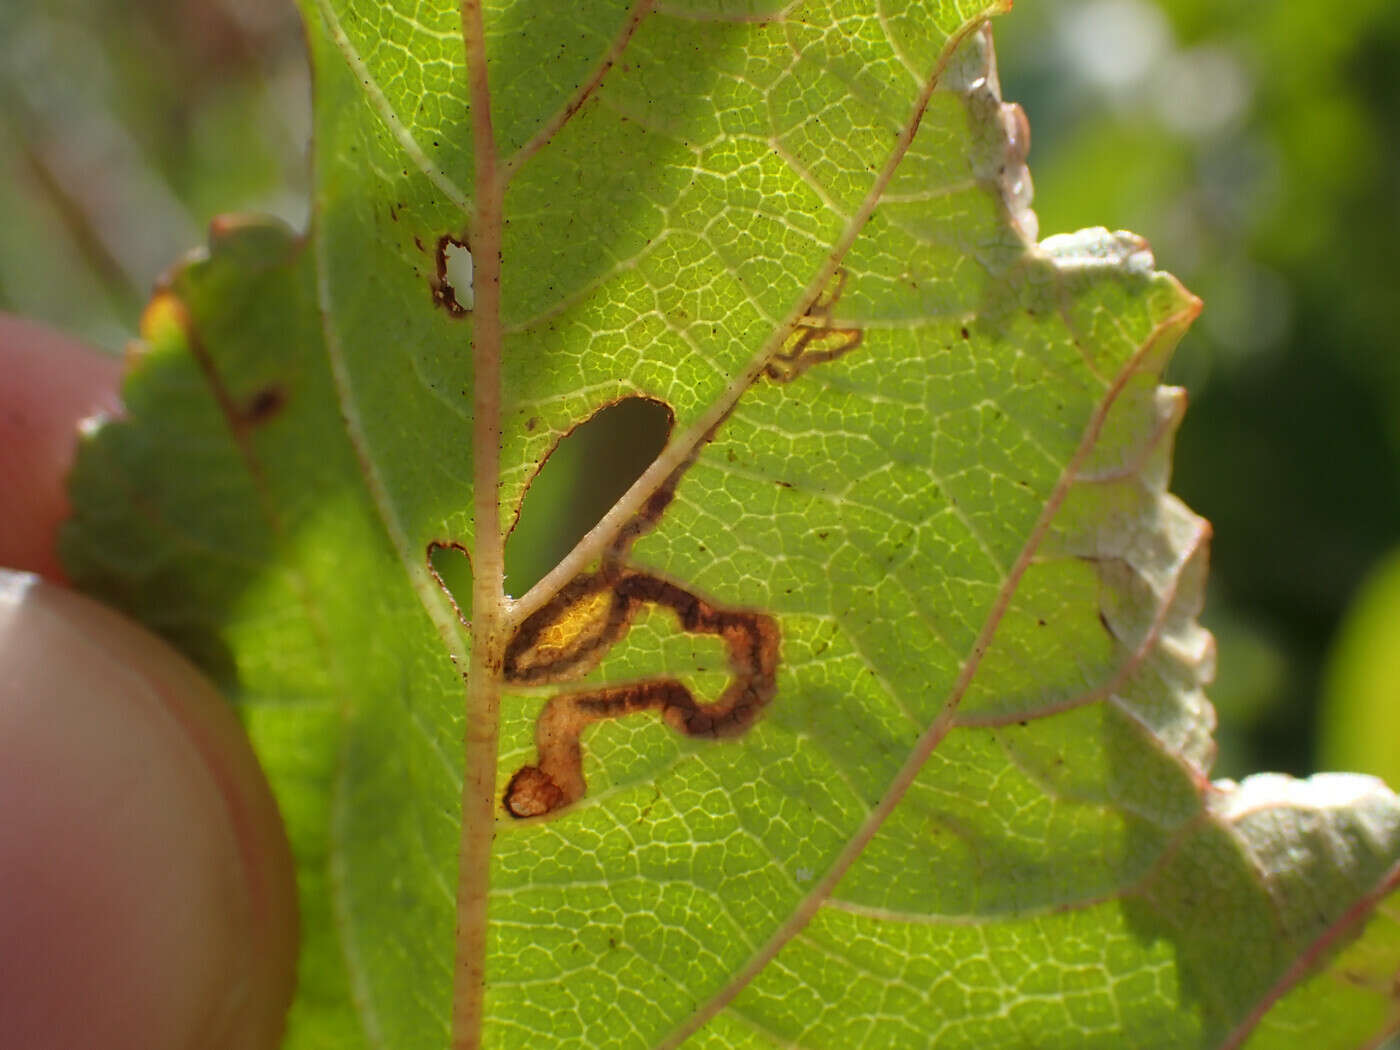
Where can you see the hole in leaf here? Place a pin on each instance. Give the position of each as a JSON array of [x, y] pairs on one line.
[[452, 566], [585, 474], [453, 285]]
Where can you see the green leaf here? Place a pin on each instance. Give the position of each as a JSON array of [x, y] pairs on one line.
[[871, 714], [1360, 725]]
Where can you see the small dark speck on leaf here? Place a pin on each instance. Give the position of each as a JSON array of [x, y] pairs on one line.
[[1040, 623], [265, 404], [532, 422], [965, 333], [1023, 723]]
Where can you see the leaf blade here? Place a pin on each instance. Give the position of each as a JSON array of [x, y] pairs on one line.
[[930, 450]]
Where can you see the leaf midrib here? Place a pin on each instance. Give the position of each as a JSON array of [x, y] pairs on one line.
[[490, 628]]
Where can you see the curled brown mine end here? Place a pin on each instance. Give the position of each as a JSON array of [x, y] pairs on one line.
[[532, 793]]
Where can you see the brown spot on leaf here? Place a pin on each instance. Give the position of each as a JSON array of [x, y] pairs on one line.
[[264, 405]]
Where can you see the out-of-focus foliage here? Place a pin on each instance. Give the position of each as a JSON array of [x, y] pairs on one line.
[[124, 127], [1255, 145], [1361, 713]]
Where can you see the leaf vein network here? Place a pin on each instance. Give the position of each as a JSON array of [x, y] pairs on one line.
[[552, 126], [749, 1021], [382, 106]]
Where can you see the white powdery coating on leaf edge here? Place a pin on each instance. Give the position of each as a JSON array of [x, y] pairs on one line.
[[1098, 246], [1281, 820]]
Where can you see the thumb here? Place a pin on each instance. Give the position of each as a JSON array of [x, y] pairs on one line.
[[146, 893]]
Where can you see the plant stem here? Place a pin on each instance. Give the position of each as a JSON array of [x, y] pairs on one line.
[[488, 562]]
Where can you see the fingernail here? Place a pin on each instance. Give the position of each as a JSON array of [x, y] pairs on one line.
[[146, 895]]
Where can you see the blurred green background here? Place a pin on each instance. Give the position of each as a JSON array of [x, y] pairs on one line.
[[1254, 143]]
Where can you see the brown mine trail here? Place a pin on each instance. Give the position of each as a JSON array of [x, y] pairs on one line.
[[569, 635]]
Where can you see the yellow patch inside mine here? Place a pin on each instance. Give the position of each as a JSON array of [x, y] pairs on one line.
[[576, 628]]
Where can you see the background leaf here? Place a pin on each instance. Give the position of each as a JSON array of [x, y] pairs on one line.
[[1359, 727], [976, 811]]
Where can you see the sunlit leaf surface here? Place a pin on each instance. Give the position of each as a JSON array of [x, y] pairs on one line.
[[872, 715]]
